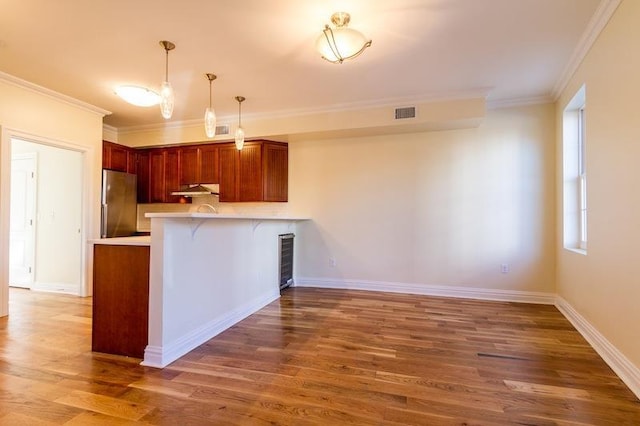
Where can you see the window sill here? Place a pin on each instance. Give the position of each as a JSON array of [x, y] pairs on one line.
[[577, 250]]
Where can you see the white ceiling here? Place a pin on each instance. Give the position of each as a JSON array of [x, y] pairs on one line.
[[264, 50]]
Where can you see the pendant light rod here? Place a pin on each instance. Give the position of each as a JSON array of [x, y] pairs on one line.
[[167, 47], [211, 77], [240, 99]]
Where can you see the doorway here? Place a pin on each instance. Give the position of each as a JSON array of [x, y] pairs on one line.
[[22, 219], [45, 250]]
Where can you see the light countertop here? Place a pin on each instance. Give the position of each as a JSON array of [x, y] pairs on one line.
[[197, 215], [143, 240]]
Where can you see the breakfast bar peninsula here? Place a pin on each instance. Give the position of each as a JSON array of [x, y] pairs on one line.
[[207, 272]]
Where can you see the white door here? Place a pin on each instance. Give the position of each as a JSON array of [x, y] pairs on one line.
[[22, 220]]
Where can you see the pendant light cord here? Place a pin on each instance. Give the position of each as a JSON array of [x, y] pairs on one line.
[[166, 65]]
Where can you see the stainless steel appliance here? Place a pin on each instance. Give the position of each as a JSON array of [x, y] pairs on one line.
[[285, 249], [119, 204]]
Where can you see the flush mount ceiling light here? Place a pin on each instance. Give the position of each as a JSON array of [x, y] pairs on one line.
[[342, 42], [209, 113], [240, 131], [167, 96], [138, 96]]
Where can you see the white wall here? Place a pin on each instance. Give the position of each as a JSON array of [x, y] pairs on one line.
[[35, 113], [604, 285], [58, 216], [435, 208]]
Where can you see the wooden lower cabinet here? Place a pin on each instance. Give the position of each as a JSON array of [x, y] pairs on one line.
[[120, 299]]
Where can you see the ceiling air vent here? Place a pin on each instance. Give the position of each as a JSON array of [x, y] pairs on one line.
[[222, 130], [407, 112]]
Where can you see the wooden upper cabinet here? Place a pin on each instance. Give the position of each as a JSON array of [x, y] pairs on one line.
[[189, 165], [118, 157], [259, 172], [275, 171], [250, 172], [229, 161], [199, 164], [156, 176], [209, 164], [163, 176], [143, 171], [171, 176]]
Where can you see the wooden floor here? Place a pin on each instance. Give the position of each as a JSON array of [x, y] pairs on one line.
[[317, 357]]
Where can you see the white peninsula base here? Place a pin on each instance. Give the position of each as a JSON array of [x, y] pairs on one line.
[[207, 272]]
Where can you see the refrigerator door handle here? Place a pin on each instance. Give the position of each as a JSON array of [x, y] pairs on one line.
[[103, 226]]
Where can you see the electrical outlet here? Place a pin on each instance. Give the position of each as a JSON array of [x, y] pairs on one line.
[[504, 268], [332, 262]]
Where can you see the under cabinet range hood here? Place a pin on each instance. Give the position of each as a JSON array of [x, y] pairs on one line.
[[197, 190]]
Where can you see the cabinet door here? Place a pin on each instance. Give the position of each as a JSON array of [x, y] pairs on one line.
[[132, 162], [156, 176], [275, 171], [228, 155], [209, 164], [171, 175], [114, 156], [119, 157], [142, 171], [189, 166], [120, 299], [250, 172]]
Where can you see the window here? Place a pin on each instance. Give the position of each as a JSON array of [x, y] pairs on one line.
[[582, 177], [575, 174]]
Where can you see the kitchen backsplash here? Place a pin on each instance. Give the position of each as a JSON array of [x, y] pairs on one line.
[[200, 203], [144, 224]]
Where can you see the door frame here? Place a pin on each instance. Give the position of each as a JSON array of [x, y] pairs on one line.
[[6, 135]]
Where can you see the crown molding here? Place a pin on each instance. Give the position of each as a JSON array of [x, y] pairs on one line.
[[598, 21], [516, 102], [178, 124], [109, 128], [15, 81], [230, 120]]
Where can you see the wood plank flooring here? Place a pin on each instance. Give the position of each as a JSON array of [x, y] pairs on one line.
[[317, 357]]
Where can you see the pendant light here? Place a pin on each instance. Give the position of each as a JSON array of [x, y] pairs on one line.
[[209, 113], [342, 42], [167, 96], [240, 131]]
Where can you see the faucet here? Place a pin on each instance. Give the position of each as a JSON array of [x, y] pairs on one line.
[[209, 208]]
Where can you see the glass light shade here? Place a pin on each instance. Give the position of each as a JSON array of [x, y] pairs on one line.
[[210, 122], [345, 43], [167, 99], [138, 96], [239, 138]]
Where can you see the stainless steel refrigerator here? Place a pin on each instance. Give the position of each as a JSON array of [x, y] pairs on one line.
[[119, 204]]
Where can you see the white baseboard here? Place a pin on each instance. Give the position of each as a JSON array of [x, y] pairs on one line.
[[64, 288], [628, 373], [161, 356], [431, 290]]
